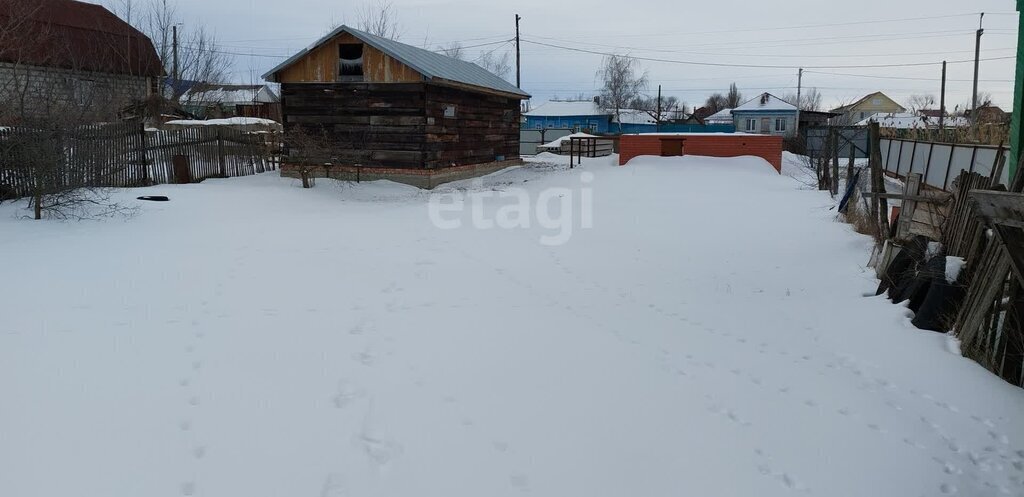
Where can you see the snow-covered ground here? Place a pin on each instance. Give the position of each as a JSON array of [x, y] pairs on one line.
[[708, 336]]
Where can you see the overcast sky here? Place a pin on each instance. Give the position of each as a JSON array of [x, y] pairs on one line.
[[788, 33]]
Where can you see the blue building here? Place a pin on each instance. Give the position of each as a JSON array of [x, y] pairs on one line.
[[578, 115], [587, 116]]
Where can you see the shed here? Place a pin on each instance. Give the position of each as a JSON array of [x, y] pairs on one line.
[[390, 110]]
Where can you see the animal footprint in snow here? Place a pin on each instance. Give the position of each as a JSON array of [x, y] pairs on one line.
[[346, 395], [378, 450], [199, 452], [520, 481], [365, 358]]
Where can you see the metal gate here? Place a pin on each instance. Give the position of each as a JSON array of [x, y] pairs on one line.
[[856, 137]]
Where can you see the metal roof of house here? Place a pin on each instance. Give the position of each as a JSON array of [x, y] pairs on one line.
[[556, 108], [765, 102], [724, 115], [430, 64], [74, 35], [846, 108]]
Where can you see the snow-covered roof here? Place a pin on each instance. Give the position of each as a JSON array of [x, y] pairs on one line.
[[557, 143], [722, 116], [631, 116], [231, 121], [905, 120], [557, 108], [230, 94], [765, 102]]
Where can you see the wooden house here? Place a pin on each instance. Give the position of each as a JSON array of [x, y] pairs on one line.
[[377, 108]]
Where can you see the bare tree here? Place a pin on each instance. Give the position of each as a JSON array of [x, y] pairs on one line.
[[810, 99], [669, 107], [716, 102], [200, 58], [380, 18], [56, 86], [453, 50], [734, 98], [500, 65], [621, 83], [920, 101]]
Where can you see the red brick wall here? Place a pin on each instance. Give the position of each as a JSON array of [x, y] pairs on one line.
[[767, 147]]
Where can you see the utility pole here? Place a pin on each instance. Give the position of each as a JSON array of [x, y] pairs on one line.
[[942, 100], [657, 120], [519, 81], [799, 87], [977, 54], [174, 71]]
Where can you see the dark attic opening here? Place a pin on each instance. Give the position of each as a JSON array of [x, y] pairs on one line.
[[351, 61]]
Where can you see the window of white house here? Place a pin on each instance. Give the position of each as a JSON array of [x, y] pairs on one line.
[[751, 124], [780, 124]]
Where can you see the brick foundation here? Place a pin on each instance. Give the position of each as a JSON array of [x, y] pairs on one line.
[[420, 178], [767, 147]]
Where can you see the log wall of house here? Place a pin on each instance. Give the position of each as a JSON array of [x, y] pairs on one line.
[[484, 128], [366, 124], [404, 125]]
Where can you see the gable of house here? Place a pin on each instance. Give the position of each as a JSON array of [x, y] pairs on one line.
[[351, 55], [869, 105]]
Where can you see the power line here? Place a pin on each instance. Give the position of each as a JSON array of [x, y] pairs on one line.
[[909, 78], [806, 26], [747, 54], [757, 66]]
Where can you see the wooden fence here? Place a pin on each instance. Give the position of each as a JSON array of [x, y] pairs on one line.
[[127, 155], [985, 230]]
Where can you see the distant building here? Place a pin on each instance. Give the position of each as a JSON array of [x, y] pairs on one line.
[[867, 106], [723, 116], [767, 115], [991, 114], [578, 115], [587, 115], [703, 113], [213, 101]]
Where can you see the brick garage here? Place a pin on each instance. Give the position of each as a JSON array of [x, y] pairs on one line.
[[766, 147]]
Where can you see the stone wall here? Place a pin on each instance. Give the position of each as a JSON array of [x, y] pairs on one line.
[[41, 93]]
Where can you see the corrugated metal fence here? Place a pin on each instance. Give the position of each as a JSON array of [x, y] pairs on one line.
[[940, 163], [530, 139], [125, 155]]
